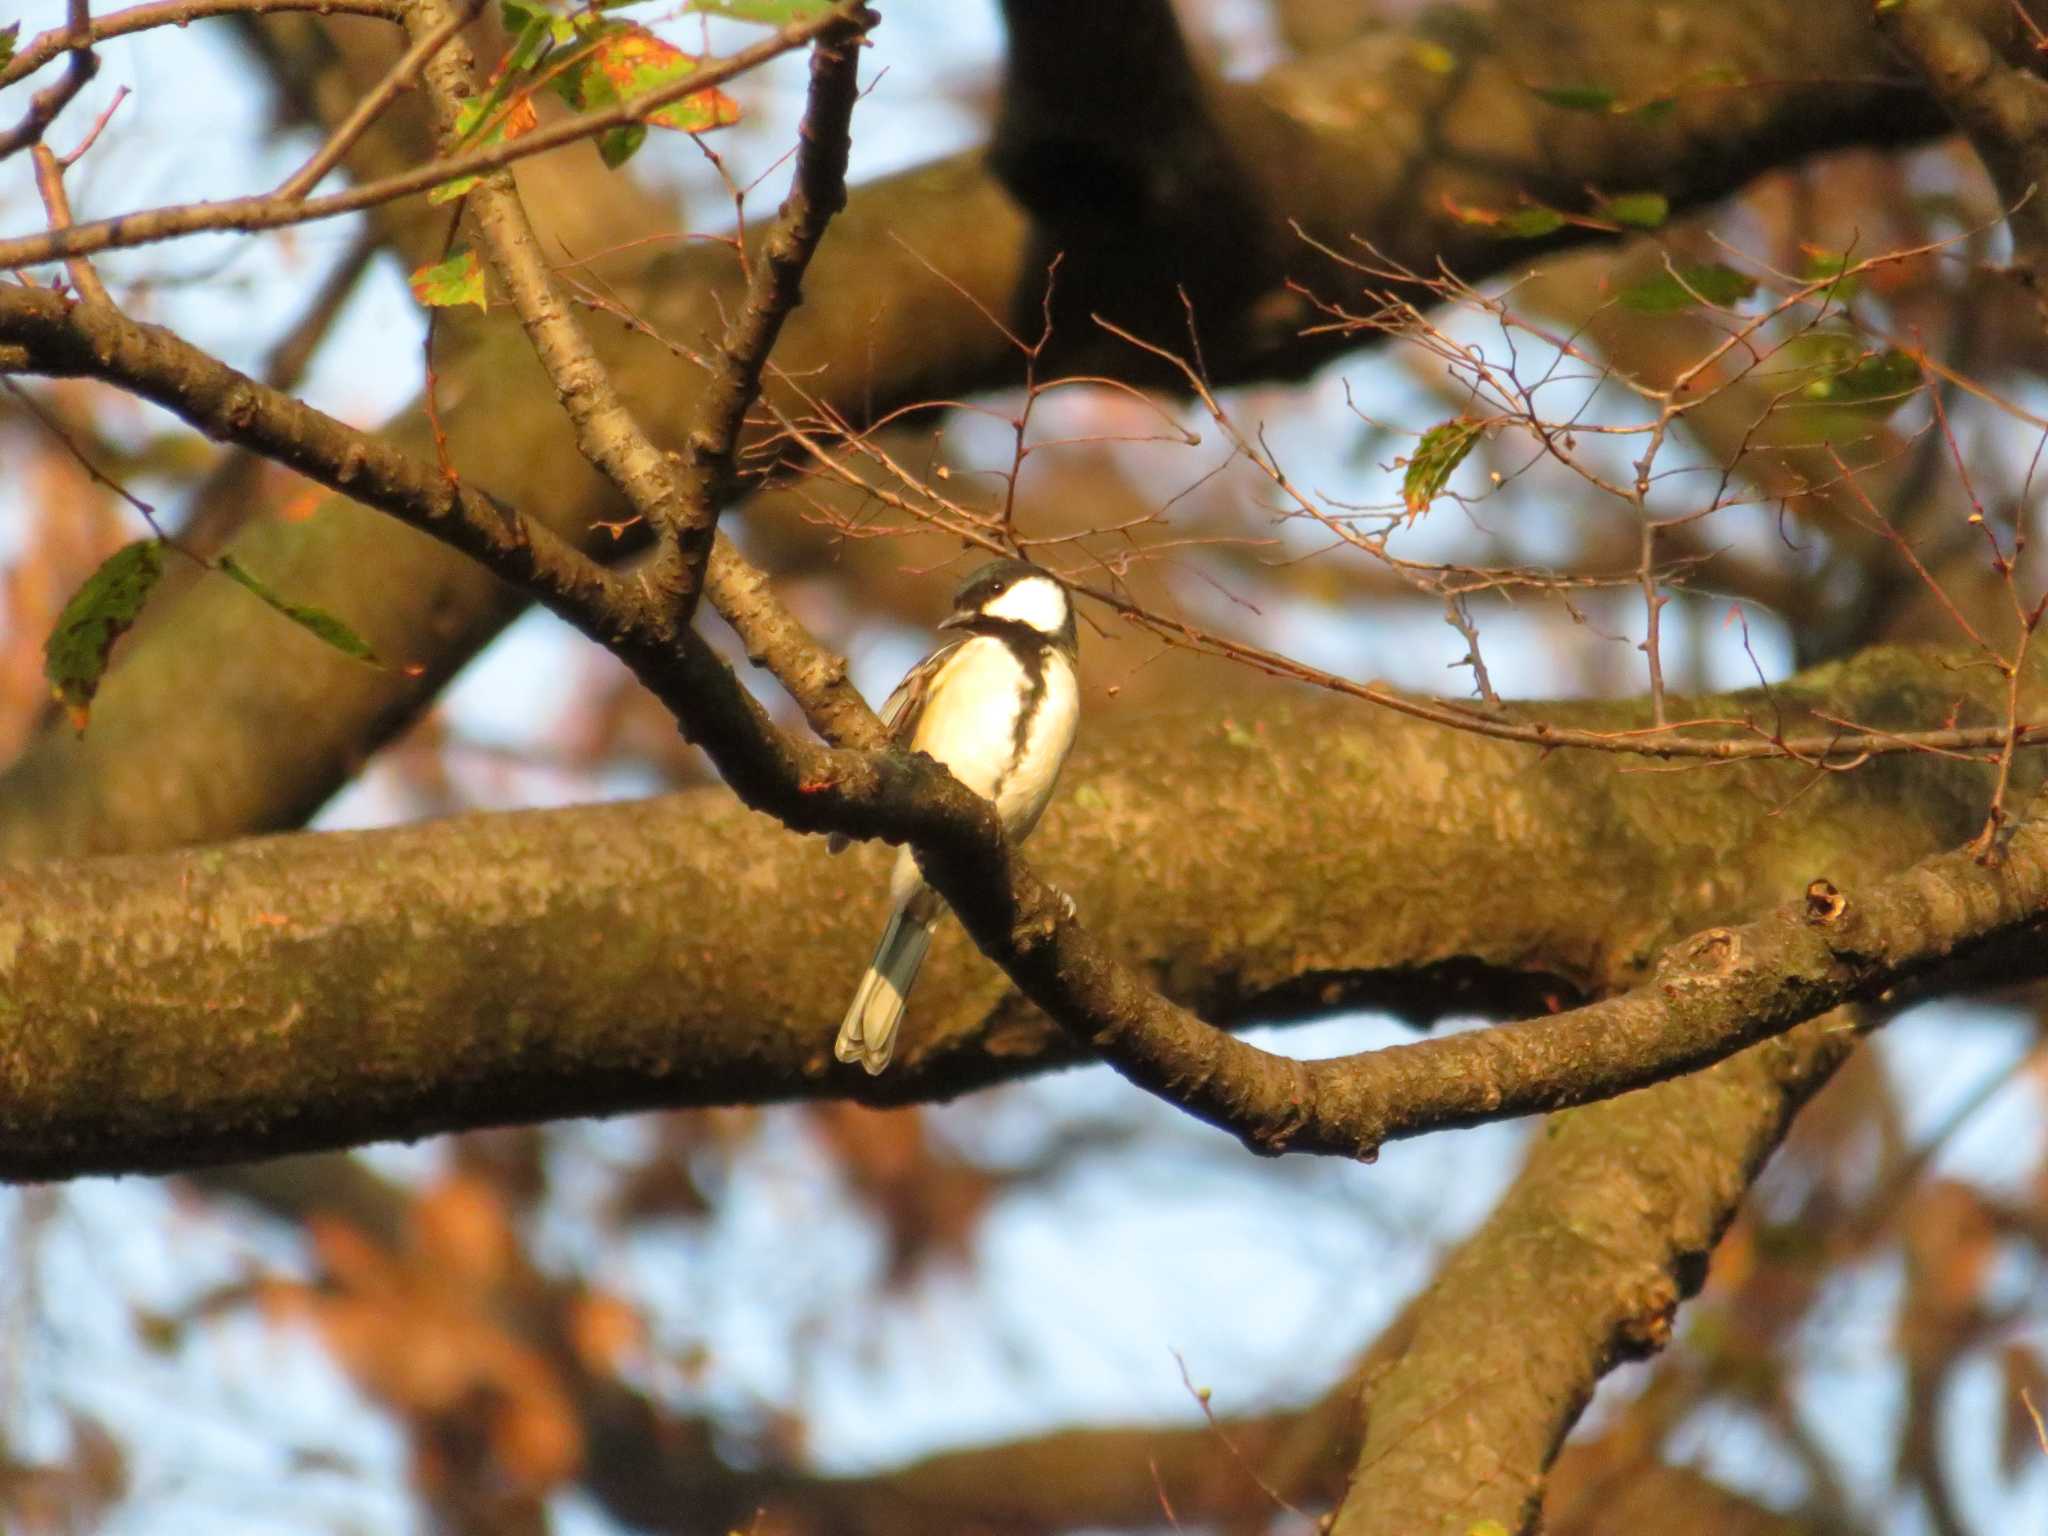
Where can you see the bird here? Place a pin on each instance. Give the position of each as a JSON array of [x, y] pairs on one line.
[[998, 706]]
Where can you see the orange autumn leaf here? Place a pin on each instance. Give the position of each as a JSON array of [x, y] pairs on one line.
[[418, 1330], [303, 505], [460, 1228], [604, 1331], [634, 61]]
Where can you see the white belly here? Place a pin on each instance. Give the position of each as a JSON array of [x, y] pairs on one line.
[[970, 724]]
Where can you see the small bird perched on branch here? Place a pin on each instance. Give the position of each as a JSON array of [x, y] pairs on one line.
[[998, 707]]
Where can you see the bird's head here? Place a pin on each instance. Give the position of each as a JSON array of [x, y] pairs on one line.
[[1014, 594]]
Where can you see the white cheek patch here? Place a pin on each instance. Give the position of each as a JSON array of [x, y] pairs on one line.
[[1038, 601]]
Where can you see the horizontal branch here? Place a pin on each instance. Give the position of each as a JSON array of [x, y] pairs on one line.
[[1733, 988], [316, 991], [1724, 989]]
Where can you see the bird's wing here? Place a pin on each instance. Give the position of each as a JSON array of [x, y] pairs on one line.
[[902, 709]]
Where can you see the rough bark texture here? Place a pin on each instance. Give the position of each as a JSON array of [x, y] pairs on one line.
[[1582, 1265], [317, 991]]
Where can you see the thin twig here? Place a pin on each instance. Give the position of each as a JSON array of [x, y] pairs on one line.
[[267, 211], [44, 106], [45, 46], [774, 288], [50, 183], [397, 78]]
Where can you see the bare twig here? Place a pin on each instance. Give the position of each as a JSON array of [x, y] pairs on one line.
[[44, 106], [1698, 740], [50, 183], [380, 96], [268, 211], [45, 46], [606, 429], [774, 288]]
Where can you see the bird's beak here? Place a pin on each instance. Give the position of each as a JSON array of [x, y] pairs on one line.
[[958, 620]]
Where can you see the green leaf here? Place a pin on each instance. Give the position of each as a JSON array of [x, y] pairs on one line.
[[1821, 266], [449, 191], [1839, 387], [1868, 378], [499, 122], [524, 15], [316, 621], [99, 613], [1532, 223], [772, 13], [8, 35], [1442, 449], [1528, 222], [457, 280], [1433, 57], [529, 43], [1670, 291], [1638, 210], [615, 146], [1577, 98]]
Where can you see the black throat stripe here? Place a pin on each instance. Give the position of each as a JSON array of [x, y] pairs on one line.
[[1029, 647]]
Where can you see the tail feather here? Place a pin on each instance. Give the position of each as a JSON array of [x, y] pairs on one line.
[[868, 1033]]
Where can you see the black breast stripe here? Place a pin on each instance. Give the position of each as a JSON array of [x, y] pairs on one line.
[[1030, 654]]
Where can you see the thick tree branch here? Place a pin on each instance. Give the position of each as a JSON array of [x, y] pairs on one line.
[[321, 991], [1581, 1266], [1972, 65]]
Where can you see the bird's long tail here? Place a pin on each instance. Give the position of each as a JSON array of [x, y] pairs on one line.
[[868, 1033]]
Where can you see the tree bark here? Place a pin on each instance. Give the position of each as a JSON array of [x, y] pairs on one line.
[[322, 990]]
